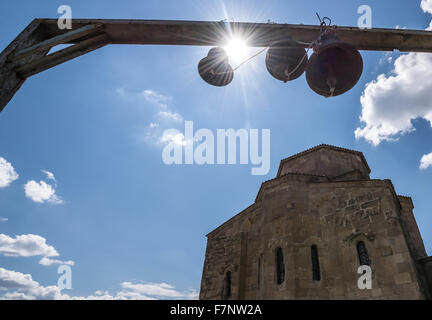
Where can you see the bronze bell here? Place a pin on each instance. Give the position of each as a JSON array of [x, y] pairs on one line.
[[286, 60], [334, 67], [215, 68]]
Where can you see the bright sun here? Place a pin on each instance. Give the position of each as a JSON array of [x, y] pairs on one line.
[[237, 50]]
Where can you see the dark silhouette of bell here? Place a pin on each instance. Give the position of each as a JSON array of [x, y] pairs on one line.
[[215, 68], [334, 67], [286, 60]]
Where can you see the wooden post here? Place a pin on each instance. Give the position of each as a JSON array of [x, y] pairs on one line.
[[10, 81]]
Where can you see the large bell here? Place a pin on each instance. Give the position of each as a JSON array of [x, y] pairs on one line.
[[215, 68], [334, 67], [286, 60]]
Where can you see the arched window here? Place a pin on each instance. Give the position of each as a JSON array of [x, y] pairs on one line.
[[316, 276], [280, 266], [227, 286], [362, 254]]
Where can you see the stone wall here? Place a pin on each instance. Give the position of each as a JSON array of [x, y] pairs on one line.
[[295, 212], [425, 267], [412, 233], [322, 197], [226, 250], [366, 211]]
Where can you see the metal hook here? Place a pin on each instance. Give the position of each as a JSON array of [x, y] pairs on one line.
[[323, 20], [319, 18]]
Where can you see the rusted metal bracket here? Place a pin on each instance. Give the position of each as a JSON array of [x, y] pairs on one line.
[[29, 54]]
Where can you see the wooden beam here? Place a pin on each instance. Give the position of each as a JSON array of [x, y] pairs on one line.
[[26, 55], [10, 81], [56, 58], [212, 33], [60, 39]]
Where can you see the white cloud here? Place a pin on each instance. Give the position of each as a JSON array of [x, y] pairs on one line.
[[49, 175], [21, 286], [173, 135], [391, 102], [7, 173], [426, 161], [164, 290], [156, 98], [30, 245], [426, 5], [171, 115], [41, 192], [3, 219], [45, 261], [11, 279], [26, 245], [17, 285], [146, 95], [164, 116], [105, 295]]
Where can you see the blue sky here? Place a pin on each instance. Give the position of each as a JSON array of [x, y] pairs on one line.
[[130, 223]]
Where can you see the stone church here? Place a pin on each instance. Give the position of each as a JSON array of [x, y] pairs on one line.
[[311, 228]]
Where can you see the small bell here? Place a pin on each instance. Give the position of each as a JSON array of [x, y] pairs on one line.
[[286, 60], [215, 68], [334, 68]]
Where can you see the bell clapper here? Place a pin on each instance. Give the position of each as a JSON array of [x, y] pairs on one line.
[[288, 74], [331, 82]]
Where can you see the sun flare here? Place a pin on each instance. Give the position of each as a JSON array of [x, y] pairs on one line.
[[237, 50]]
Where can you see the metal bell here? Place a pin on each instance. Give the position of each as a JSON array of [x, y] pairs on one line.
[[334, 67], [215, 68], [286, 60]]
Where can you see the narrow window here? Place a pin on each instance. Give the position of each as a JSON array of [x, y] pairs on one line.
[[227, 286], [315, 264], [259, 271], [362, 254], [280, 266]]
